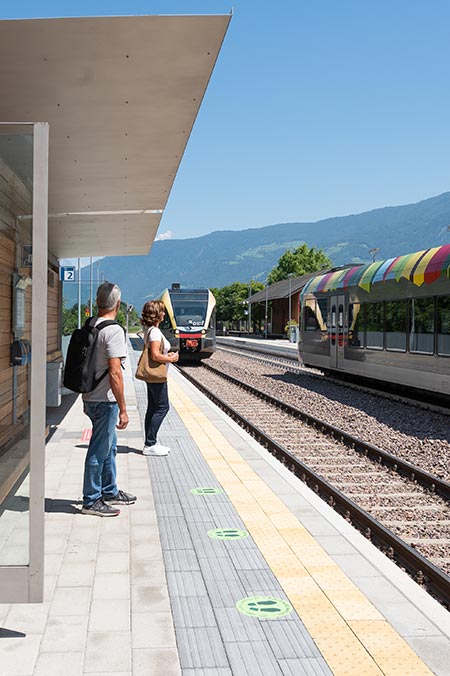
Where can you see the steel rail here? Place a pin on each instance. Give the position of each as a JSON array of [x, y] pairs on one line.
[[423, 571], [402, 467], [408, 395]]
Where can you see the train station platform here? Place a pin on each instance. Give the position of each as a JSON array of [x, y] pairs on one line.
[[227, 565], [282, 348]]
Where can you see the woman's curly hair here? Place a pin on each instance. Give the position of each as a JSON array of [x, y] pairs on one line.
[[151, 312]]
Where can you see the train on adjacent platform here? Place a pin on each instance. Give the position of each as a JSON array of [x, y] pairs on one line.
[[190, 322], [387, 321]]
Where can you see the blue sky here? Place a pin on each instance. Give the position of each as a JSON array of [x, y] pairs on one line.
[[316, 108]]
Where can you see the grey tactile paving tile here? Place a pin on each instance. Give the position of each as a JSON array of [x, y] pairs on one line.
[[181, 560], [219, 569], [201, 647], [312, 666], [289, 640], [224, 595], [174, 533], [261, 583], [192, 612], [248, 658], [186, 584], [238, 627], [250, 559], [221, 671]]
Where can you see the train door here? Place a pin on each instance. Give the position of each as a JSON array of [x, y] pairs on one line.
[[337, 307]]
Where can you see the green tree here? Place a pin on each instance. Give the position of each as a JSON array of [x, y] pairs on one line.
[[299, 262], [70, 316], [231, 300]]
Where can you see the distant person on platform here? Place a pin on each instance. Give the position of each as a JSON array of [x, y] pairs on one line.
[[157, 393], [105, 406]]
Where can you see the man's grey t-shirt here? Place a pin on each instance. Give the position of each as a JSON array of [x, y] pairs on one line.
[[111, 343]]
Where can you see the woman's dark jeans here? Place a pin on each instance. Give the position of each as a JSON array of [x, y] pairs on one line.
[[157, 409]]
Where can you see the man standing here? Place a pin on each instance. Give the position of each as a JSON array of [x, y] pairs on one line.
[[105, 406]]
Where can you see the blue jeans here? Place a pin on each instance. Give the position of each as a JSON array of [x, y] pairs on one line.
[[100, 464], [157, 409]]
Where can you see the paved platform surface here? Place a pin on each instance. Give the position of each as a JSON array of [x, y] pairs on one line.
[[150, 593], [283, 348]]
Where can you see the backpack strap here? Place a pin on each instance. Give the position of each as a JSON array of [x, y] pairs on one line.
[[99, 327]]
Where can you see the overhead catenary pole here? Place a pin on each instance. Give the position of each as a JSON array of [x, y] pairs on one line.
[[249, 307], [266, 316], [79, 293], [90, 286], [290, 307]]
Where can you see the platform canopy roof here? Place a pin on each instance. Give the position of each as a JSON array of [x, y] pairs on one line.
[[121, 95], [281, 289]]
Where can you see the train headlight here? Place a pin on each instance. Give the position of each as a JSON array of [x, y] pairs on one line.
[[203, 331], [176, 332]]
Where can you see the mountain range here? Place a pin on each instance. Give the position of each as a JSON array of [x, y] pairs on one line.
[[227, 256]]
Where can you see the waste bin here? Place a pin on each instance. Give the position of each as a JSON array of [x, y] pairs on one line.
[[54, 382], [293, 334]]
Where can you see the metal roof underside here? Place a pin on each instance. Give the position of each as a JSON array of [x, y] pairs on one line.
[[120, 95]]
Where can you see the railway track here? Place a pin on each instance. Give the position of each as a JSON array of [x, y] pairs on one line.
[[401, 508], [431, 402]]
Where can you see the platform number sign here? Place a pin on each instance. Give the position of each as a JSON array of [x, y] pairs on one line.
[[67, 273]]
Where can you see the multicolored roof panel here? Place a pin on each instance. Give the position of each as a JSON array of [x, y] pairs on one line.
[[422, 267]]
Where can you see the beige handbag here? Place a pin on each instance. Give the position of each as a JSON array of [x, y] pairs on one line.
[[151, 371]]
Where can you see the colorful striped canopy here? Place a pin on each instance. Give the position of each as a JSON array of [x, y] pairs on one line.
[[419, 268]]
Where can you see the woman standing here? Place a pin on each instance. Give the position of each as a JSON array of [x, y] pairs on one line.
[[157, 393]]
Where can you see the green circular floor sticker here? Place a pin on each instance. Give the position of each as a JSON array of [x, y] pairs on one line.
[[205, 490], [227, 533], [263, 606]]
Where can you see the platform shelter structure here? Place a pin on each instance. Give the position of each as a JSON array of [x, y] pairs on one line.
[[95, 115]]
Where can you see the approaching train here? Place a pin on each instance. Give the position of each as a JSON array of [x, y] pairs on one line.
[[190, 321], [389, 320]]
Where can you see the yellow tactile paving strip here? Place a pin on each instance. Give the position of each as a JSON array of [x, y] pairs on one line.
[[352, 635]]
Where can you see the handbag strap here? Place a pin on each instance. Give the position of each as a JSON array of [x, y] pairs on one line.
[[147, 343]]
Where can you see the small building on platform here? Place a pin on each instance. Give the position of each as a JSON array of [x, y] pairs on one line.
[[280, 298]]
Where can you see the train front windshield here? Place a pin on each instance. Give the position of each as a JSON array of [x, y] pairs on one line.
[[189, 310]]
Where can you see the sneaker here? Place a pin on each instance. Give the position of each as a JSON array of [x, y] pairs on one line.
[[156, 449], [100, 508], [121, 498]]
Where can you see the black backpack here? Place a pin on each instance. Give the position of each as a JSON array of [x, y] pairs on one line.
[[79, 370]]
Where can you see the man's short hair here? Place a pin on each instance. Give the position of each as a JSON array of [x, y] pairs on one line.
[[108, 295]]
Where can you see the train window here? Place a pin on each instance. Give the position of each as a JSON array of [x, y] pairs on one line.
[[322, 313], [355, 324], [212, 321], [374, 326], [190, 310], [309, 316], [333, 324], [443, 325], [421, 325], [165, 324], [395, 315]]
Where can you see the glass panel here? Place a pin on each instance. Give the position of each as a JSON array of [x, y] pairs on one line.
[[395, 313], [333, 324], [212, 321], [309, 315], [322, 312], [189, 308], [443, 325], [421, 325], [355, 324], [374, 326], [341, 325], [16, 177]]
